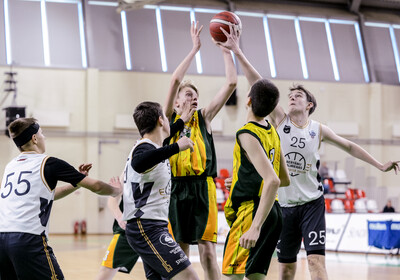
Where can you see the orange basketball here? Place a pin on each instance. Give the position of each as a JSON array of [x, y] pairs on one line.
[[224, 19]]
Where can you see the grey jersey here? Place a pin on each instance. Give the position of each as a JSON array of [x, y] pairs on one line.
[[300, 146]]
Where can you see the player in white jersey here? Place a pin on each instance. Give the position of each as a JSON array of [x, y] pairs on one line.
[[303, 203], [147, 189], [27, 192]]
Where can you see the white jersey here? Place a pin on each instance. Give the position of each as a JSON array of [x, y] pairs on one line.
[[146, 195], [300, 146], [25, 197]]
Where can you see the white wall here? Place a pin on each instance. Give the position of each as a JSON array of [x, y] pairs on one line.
[[93, 99]]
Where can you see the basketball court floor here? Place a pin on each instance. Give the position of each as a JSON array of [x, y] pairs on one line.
[[80, 258]]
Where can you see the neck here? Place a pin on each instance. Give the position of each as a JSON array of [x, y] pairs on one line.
[[252, 118], [299, 118], [31, 149], [155, 136]]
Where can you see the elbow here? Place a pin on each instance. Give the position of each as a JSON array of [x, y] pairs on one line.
[[276, 182], [285, 182], [232, 84], [175, 81]]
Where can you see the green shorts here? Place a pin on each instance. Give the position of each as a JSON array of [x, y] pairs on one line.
[[193, 210], [120, 255]]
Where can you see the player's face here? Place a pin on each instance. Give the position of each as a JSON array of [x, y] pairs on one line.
[[41, 140], [298, 101], [189, 95]]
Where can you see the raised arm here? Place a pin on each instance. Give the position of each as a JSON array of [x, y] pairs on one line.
[[271, 183], [180, 71], [356, 151], [252, 75], [226, 90]]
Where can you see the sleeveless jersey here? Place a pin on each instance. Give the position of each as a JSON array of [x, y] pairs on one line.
[[25, 199], [202, 161], [247, 184], [146, 195], [300, 145]]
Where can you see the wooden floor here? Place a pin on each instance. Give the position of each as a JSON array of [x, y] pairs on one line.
[[80, 259]]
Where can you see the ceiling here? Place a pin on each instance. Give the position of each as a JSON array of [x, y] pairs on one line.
[[349, 5]]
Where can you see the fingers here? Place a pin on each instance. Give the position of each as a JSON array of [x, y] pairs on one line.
[[201, 28], [247, 243]]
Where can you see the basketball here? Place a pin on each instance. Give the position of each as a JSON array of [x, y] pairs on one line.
[[224, 19]]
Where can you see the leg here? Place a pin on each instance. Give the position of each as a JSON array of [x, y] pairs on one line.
[[208, 259], [186, 274], [314, 229], [316, 265], [287, 271], [232, 276], [106, 273], [185, 247], [255, 276], [289, 243]]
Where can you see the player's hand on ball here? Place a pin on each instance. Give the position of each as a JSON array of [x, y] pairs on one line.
[[232, 41], [185, 143]]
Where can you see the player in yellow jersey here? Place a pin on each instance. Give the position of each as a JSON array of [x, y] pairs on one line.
[[302, 203], [193, 207], [252, 210]]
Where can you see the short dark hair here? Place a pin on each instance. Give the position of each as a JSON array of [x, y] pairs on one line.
[[146, 115], [309, 95], [16, 127], [264, 97]]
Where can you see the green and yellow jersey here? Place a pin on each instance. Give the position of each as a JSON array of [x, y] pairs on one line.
[[247, 184], [202, 161]]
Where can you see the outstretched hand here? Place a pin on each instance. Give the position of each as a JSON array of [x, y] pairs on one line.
[[84, 168], [195, 31], [391, 165], [116, 183], [232, 39]]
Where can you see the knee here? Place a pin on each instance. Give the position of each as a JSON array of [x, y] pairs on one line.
[[316, 262], [287, 271], [208, 256]]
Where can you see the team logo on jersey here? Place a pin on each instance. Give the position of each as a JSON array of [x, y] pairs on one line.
[[296, 163], [167, 240], [286, 129], [312, 134]]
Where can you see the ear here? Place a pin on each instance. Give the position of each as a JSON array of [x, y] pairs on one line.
[[160, 121], [310, 105], [248, 102], [34, 139]]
